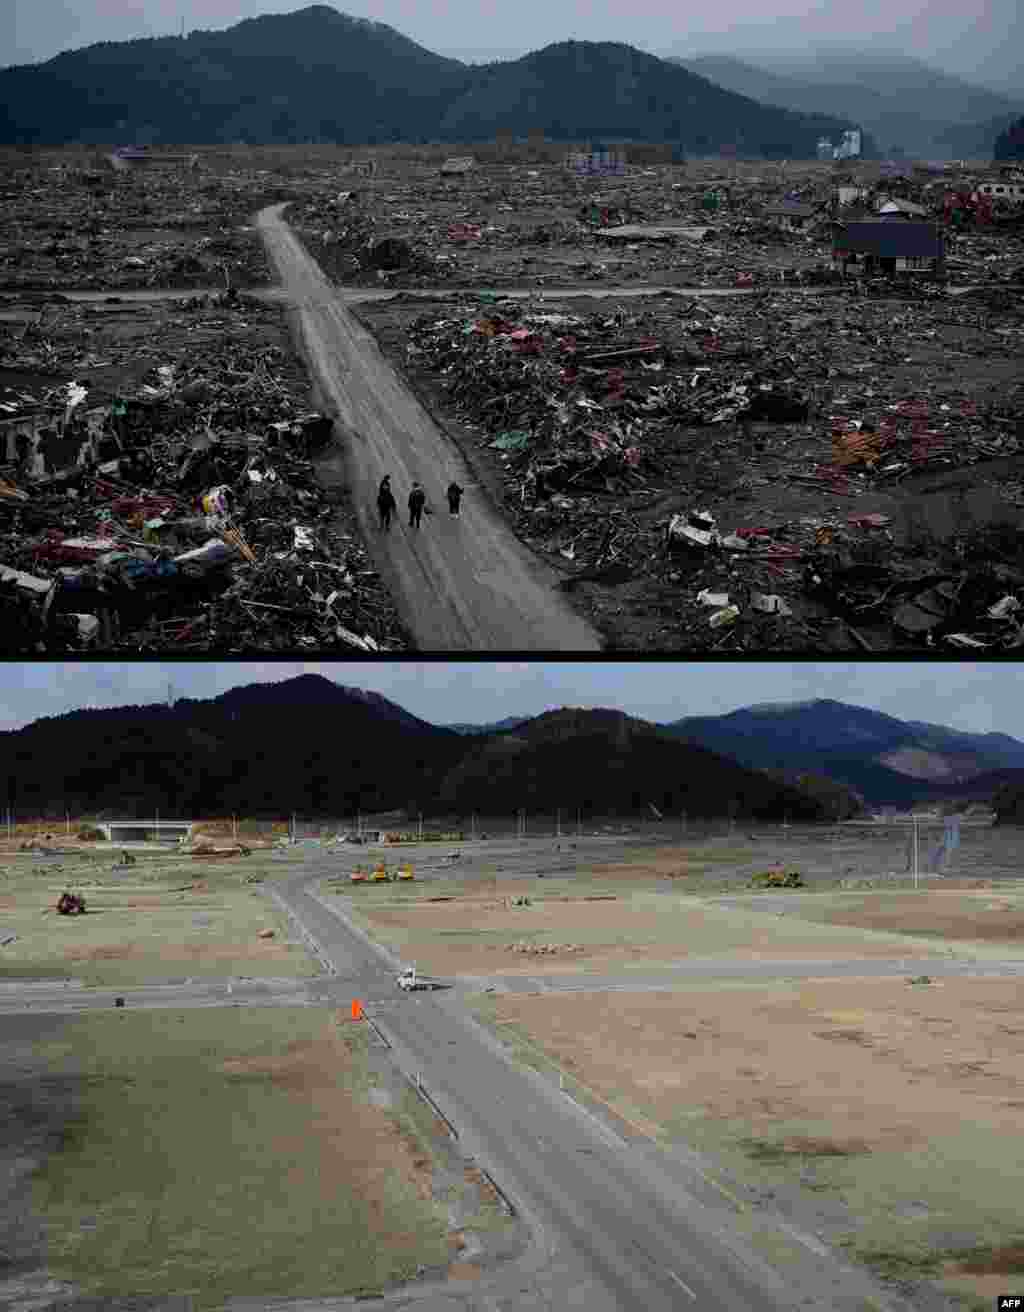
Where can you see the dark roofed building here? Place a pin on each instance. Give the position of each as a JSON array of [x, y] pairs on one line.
[[792, 215], [882, 246]]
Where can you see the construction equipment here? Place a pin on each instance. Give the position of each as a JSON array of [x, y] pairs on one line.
[[380, 874], [71, 904], [778, 879], [358, 876], [405, 873]]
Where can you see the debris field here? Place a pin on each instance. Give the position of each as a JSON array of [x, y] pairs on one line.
[[753, 473], [160, 486], [798, 463]]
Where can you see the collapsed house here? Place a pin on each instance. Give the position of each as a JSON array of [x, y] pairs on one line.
[[881, 246], [456, 166], [793, 216]]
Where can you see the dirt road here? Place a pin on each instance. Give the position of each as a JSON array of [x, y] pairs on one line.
[[461, 584]]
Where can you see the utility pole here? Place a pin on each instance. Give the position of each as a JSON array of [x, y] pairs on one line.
[[836, 871], [421, 827], [559, 823]]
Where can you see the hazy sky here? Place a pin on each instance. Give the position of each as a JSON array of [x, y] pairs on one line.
[[965, 36], [977, 697]]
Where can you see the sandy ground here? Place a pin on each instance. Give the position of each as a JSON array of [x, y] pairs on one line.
[[477, 933], [908, 1100]]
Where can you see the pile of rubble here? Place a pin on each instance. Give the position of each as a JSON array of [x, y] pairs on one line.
[[505, 225], [652, 442], [545, 949], [183, 513], [86, 227]]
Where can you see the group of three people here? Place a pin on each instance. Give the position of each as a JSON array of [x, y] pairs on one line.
[[387, 505]]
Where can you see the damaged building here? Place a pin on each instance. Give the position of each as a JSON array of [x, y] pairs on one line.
[[881, 246]]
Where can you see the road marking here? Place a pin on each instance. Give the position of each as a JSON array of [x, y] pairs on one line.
[[808, 1241], [685, 1288]]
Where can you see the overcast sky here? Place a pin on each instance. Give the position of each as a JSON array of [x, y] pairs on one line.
[[976, 697], [982, 37]]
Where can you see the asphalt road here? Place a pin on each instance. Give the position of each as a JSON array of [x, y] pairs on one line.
[[625, 1233], [461, 583], [723, 968], [48, 997]]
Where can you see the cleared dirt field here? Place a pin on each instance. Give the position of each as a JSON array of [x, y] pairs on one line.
[[164, 918], [483, 932], [905, 1102], [964, 914], [231, 1153]]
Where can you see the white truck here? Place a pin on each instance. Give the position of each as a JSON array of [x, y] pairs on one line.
[[410, 982]]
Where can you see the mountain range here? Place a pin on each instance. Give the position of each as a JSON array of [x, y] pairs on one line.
[[317, 75], [315, 747], [885, 760], [908, 106], [311, 746]]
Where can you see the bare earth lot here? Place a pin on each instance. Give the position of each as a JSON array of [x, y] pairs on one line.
[[884, 1113], [904, 1102], [567, 929], [173, 919]]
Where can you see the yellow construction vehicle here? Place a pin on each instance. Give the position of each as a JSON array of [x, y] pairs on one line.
[[405, 872], [380, 874]]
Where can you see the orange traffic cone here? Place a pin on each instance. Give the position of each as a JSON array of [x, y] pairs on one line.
[[357, 1009]]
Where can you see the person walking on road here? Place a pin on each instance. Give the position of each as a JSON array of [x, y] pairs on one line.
[[454, 497], [386, 503], [417, 500]]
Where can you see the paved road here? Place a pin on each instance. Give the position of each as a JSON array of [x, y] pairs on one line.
[[724, 968], [47, 997], [461, 584], [625, 1229], [354, 294]]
